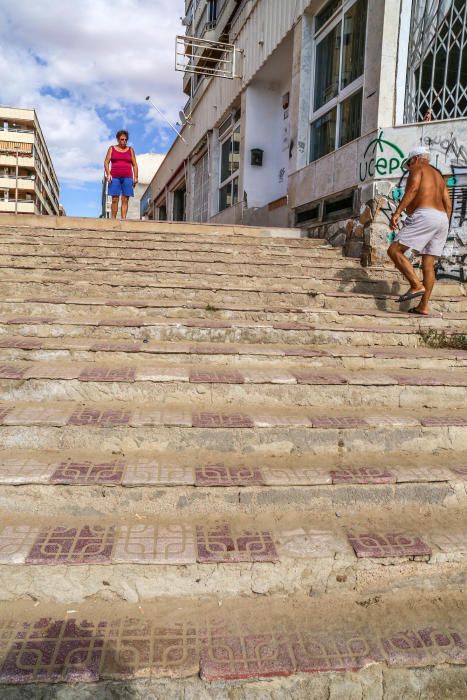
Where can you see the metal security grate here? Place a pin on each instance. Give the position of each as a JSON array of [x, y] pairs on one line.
[[437, 66]]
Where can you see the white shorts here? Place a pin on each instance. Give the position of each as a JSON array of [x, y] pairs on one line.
[[425, 231]]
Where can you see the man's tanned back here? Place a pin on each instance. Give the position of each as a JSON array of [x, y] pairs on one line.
[[432, 192]]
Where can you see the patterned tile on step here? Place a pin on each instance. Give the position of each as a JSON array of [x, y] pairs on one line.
[[140, 647], [146, 472], [24, 471], [394, 421], [213, 349], [52, 370], [266, 419], [216, 377], [107, 374], [268, 376], [218, 543], [421, 647], [224, 475], [31, 320], [295, 476], [88, 473], [393, 544], [312, 544], [230, 651], [292, 327], [418, 378], [205, 323], [85, 544], [448, 542], [21, 343], [321, 651], [103, 418], [409, 473], [8, 371], [303, 351], [146, 372], [121, 322], [139, 544], [55, 651], [338, 422], [208, 419], [16, 542], [310, 377], [363, 475], [172, 416], [116, 346], [37, 415], [444, 421]]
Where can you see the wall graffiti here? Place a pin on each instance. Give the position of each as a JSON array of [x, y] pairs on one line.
[[381, 158], [453, 264], [448, 147]]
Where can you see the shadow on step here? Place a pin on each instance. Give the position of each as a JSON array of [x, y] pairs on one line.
[[363, 286]]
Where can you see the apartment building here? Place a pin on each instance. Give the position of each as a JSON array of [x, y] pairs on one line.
[[28, 182], [313, 129]]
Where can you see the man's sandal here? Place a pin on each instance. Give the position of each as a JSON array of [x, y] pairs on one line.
[[410, 295]]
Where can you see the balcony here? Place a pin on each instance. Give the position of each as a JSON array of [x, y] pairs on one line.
[[24, 206], [25, 182], [16, 129]]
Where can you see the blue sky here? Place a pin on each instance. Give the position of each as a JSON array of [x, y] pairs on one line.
[[86, 67]]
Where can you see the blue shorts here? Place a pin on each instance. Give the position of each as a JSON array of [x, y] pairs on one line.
[[121, 186]]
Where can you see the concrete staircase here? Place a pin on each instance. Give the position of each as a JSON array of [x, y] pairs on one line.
[[229, 468]]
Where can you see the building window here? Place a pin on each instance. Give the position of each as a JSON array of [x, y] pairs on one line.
[[340, 31], [201, 190], [229, 169], [437, 61]]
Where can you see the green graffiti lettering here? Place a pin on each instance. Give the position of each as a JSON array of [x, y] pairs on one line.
[[394, 164], [382, 166]]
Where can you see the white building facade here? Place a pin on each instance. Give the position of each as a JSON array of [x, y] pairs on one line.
[[330, 97], [28, 182]]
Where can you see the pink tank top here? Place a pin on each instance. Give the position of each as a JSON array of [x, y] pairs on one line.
[[121, 163]]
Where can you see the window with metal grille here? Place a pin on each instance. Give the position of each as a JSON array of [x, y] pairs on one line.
[[437, 62]]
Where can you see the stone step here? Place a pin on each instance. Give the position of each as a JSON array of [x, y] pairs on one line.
[[16, 347], [345, 303], [121, 425], [401, 639], [288, 553], [206, 330], [269, 385], [197, 481], [64, 275], [268, 290], [30, 224], [36, 305], [134, 261]]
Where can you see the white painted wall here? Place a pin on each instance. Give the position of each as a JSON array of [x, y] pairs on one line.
[[266, 128]]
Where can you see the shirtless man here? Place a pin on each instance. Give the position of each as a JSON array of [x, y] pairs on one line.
[[425, 229]]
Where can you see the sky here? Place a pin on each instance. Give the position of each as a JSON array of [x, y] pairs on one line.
[[86, 66]]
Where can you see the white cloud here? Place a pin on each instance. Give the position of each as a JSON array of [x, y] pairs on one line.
[[108, 55]]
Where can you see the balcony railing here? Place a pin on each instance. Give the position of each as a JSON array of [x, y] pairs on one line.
[[17, 130]]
